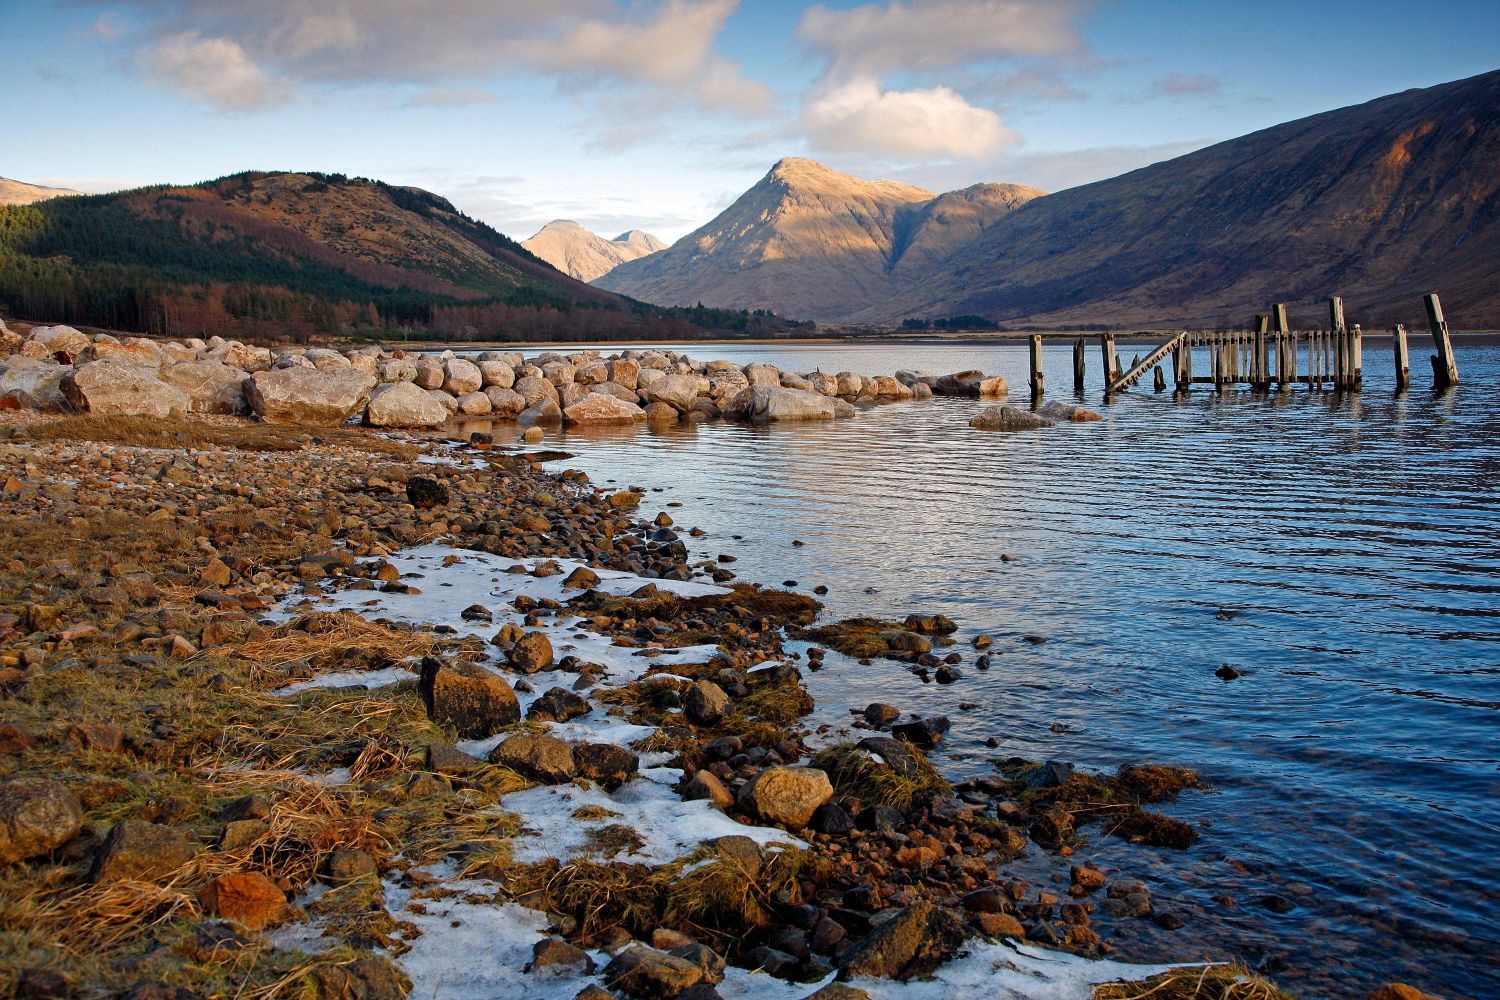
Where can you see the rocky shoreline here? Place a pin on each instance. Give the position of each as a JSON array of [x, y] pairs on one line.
[[314, 711]]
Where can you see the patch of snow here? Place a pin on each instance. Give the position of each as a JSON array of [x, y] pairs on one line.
[[348, 678]]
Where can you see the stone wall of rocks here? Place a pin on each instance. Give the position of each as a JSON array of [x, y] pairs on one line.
[[59, 368]]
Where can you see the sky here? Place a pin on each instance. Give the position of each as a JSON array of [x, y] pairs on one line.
[[657, 114]]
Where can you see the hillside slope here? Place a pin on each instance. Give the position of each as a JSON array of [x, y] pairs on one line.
[[586, 256], [21, 193], [1378, 202], [278, 254]]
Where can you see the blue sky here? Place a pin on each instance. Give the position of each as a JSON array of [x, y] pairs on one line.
[[656, 113]]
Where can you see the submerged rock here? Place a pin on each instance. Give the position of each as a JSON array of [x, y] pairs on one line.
[[1009, 418]]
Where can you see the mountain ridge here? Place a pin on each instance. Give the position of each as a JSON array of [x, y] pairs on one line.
[[14, 192], [585, 255], [807, 240]]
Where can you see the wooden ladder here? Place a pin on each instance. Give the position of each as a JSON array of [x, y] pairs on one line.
[[1133, 376]]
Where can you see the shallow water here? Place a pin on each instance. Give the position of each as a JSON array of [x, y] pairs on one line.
[[1344, 552]]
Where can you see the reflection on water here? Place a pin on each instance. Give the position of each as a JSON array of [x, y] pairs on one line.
[[1342, 552]]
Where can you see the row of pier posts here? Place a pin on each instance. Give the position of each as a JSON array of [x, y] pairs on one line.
[[1268, 354]]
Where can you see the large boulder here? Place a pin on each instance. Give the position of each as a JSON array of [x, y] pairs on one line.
[[59, 338], [142, 354], [476, 702], [677, 391], [786, 795], [975, 384], [110, 388], [430, 372], [706, 703], [624, 372], [404, 404], [28, 384], [248, 898], [461, 377], [474, 404], [494, 372], [10, 341], [211, 387], [238, 355], [541, 758], [599, 408], [397, 370], [1008, 418], [535, 390], [307, 395], [616, 390], [912, 943], [772, 404], [545, 412], [36, 816], [505, 404]]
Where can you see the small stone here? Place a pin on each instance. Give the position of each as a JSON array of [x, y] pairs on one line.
[[704, 785], [451, 761], [558, 705], [581, 578], [607, 765], [344, 866], [650, 974], [542, 758], [552, 956], [476, 702], [37, 816], [786, 795], [248, 898], [913, 942], [531, 653], [425, 493], [142, 852], [705, 703], [877, 714]]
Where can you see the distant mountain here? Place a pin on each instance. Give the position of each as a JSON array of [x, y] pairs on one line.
[[292, 254], [21, 193], [581, 254], [1378, 203], [810, 242]]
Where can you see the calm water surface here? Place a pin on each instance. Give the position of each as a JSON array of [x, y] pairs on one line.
[[1344, 553]]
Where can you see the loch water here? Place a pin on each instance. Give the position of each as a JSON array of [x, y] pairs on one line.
[[1341, 551]]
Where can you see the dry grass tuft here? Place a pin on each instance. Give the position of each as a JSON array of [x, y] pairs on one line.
[[1209, 982], [854, 772]]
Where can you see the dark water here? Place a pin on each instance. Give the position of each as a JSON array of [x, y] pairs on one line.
[[1344, 553]]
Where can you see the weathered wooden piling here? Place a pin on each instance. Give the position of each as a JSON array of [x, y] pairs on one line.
[[1403, 368], [1036, 366], [1259, 373], [1444, 367], [1078, 352], [1159, 383], [1182, 363], [1111, 360]]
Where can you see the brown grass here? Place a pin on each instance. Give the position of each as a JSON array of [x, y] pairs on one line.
[[212, 432], [854, 773], [1209, 982]]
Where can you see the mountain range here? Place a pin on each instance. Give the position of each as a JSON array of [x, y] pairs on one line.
[[580, 254], [21, 193], [1379, 203], [809, 241]]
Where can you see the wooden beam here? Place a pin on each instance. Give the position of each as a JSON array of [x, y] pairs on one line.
[[1078, 352], [1111, 362], [1444, 367], [1140, 367]]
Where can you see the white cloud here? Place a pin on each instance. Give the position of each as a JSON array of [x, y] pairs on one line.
[[896, 37], [216, 71], [666, 46], [858, 116]]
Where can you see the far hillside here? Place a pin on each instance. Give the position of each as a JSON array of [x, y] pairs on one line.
[[296, 255]]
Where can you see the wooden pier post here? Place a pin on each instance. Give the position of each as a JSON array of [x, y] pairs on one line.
[[1182, 364], [1444, 368], [1036, 366], [1403, 368], [1159, 383], [1078, 352], [1111, 361], [1259, 373], [1339, 333], [1356, 357]]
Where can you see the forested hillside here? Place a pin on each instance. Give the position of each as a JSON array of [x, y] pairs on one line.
[[278, 255]]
